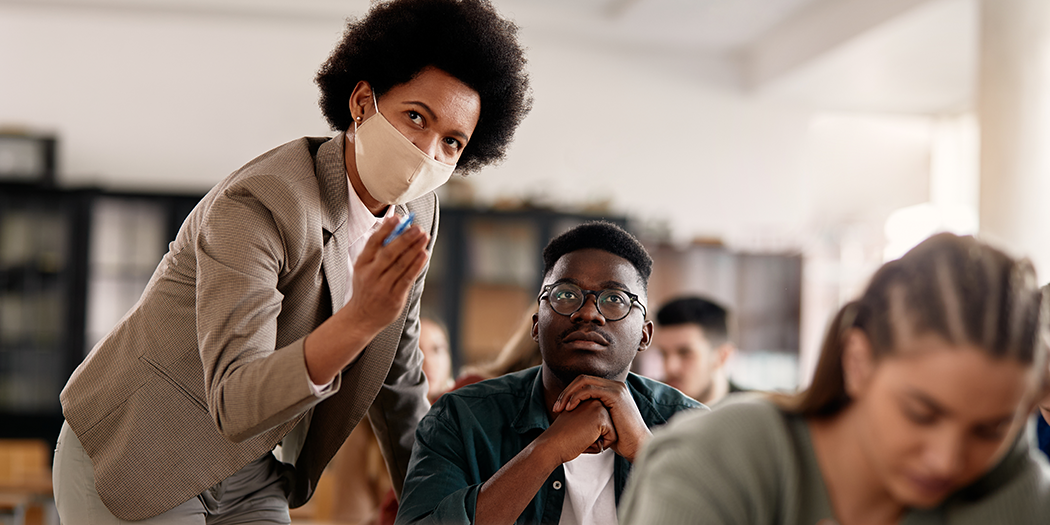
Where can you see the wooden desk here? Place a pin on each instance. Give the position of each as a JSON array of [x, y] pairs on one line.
[[25, 482]]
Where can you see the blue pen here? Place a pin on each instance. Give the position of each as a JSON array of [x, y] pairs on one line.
[[406, 221]]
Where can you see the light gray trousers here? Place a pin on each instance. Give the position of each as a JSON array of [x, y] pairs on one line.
[[255, 494]]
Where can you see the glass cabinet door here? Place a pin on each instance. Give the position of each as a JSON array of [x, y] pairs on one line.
[[42, 236], [486, 271], [72, 262]]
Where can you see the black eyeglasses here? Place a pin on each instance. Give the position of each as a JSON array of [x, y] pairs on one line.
[[567, 299]]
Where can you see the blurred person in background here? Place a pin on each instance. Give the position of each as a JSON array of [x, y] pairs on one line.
[[1041, 418], [1042, 427], [914, 415], [692, 335], [281, 315], [552, 443], [437, 356], [520, 352], [362, 482]]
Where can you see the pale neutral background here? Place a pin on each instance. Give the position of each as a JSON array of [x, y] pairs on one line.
[[839, 129]]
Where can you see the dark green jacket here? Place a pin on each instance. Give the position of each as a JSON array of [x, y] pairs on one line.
[[472, 432]]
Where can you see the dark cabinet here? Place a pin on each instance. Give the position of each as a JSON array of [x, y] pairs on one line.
[[72, 262], [43, 244], [53, 287], [486, 271]]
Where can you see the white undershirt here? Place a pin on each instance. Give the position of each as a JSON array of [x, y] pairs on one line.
[[590, 496], [360, 225]]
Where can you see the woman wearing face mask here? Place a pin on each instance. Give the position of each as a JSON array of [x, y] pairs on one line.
[[280, 315], [913, 415]]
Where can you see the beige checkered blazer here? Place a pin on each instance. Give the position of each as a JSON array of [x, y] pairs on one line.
[[207, 374]]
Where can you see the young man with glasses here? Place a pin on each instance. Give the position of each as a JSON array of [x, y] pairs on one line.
[[553, 443]]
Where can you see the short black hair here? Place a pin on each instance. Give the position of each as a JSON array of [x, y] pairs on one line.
[[602, 235], [467, 39], [710, 316]]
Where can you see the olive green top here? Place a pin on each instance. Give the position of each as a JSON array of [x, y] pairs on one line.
[[750, 463]]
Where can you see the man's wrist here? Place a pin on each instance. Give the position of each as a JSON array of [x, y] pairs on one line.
[[543, 453], [639, 444]]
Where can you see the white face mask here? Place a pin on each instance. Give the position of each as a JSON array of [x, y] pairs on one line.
[[393, 170]]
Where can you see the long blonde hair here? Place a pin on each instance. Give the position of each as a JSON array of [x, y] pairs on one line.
[[955, 287], [520, 351]]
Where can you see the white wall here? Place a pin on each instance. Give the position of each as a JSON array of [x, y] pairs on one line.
[[159, 100], [655, 142]]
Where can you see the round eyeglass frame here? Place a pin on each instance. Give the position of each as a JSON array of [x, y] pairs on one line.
[[545, 292]]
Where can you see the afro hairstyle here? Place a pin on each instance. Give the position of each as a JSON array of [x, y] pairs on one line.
[[467, 39], [710, 316], [602, 235]]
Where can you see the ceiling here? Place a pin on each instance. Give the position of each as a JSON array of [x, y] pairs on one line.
[[910, 56], [923, 60], [701, 25], [719, 25]]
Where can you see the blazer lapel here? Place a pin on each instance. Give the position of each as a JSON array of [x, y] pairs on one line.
[[334, 187], [335, 264]]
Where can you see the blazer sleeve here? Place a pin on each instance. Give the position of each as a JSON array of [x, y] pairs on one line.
[[402, 400], [242, 250]]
